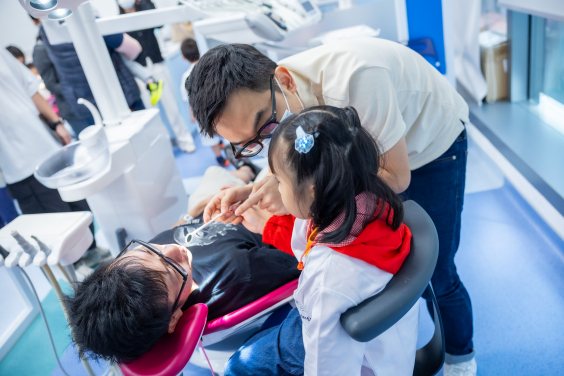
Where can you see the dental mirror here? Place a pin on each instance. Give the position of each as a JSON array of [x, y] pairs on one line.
[[190, 235]]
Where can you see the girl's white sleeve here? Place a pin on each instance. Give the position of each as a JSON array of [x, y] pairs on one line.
[[329, 349]]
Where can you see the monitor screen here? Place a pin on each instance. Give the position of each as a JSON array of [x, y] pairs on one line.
[[307, 6]]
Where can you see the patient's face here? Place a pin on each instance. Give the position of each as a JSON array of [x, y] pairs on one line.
[[173, 279]]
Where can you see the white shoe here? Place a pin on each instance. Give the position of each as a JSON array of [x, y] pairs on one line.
[[469, 368], [187, 144]]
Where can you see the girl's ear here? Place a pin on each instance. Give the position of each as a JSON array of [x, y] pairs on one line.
[[174, 319]]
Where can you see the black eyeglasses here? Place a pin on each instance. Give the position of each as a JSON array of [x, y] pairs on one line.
[[253, 147], [148, 247]]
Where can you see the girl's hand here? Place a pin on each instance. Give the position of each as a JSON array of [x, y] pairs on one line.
[[264, 193], [255, 219], [221, 202]]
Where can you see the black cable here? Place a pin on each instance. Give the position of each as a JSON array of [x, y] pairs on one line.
[[44, 319]]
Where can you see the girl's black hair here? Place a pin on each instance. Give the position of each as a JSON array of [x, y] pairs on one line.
[[343, 163]]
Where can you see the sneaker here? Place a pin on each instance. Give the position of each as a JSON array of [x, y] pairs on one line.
[[156, 89], [186, 144], [94, 256], [469, 368], [222, 161]]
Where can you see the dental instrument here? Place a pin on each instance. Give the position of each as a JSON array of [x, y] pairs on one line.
[[191, 235], [29, 250]]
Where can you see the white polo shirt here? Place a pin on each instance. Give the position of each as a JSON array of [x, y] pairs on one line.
[[24, 139], [394, 90]]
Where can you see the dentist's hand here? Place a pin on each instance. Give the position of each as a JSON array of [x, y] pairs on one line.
[[266, 194], [221, 202]]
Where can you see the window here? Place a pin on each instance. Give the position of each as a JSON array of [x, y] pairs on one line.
[[553, 72]]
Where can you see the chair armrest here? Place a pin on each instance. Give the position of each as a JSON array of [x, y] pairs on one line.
[[236, 317]]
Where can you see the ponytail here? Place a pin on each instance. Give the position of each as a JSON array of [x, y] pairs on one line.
[[343, 163]]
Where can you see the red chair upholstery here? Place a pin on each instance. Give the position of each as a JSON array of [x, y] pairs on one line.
[[170, 355]]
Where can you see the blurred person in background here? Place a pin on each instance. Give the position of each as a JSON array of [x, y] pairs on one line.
[[72, 79], [46, 69], [151, 50], [25, 142], [190, 52], [8, 210], [17, 53]]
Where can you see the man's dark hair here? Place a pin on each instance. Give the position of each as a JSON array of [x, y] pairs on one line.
[[16, 52], [189, 49], [222, 71], [120, 311]]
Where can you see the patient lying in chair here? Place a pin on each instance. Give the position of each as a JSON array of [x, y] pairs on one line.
[[122, 309]]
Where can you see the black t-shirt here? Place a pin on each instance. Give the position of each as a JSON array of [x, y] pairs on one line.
[[235, 270], [147, 38]]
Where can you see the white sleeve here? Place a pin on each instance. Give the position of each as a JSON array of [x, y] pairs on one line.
[[372, 93], [29, 81], [329, 349]]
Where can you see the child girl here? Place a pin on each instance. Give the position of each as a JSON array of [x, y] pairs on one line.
[[349, 239]]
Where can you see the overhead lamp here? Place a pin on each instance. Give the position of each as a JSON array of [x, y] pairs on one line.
[[43, 4], [59, 14]]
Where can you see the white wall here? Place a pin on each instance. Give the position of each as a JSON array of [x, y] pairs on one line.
[[16, 28]]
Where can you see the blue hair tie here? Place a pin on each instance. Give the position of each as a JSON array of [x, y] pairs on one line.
[[304, 142]]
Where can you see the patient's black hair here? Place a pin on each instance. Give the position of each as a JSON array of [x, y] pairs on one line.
[[343, 163], [222, 71], [120, 311]]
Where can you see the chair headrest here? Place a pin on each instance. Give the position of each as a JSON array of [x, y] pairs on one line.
[[172, 352]]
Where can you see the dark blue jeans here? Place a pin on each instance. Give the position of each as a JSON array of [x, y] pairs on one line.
[[439, 188], [7, 208], [276, 351]]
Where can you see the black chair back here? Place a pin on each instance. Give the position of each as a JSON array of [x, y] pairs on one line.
[[377, 314]]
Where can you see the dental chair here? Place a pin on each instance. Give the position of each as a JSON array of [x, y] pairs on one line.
[[363, 323]]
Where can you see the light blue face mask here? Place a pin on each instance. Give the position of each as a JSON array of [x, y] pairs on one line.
[[287, 113]]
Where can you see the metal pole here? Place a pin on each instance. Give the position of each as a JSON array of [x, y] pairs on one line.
[[60, 295], [97, 65]]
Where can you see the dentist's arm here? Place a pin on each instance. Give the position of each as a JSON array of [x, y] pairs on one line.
[[372, 92], [394, 167]]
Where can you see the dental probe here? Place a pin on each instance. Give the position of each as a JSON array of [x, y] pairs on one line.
[[191, 235]]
